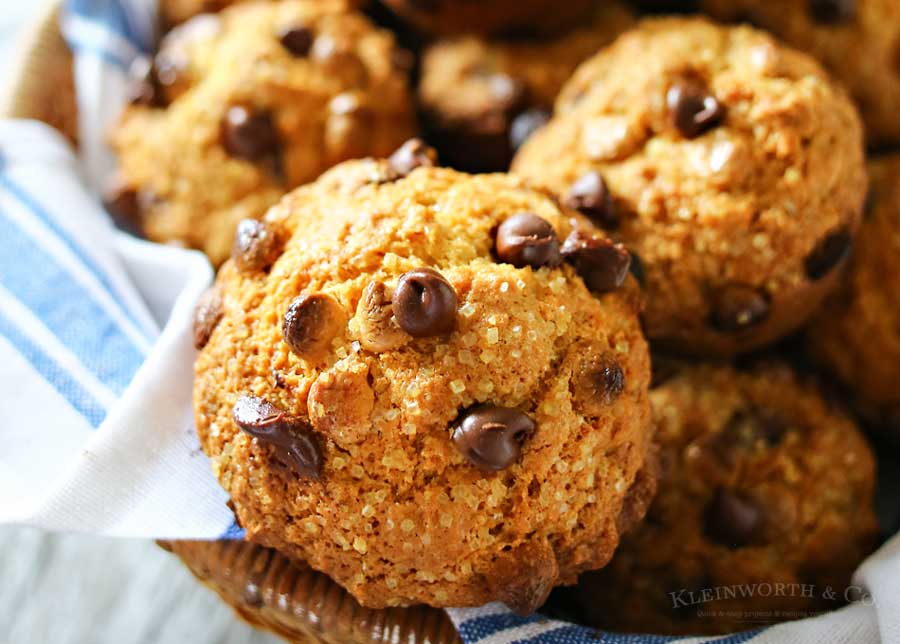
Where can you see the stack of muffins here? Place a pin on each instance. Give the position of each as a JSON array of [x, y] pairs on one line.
[[436, 386]]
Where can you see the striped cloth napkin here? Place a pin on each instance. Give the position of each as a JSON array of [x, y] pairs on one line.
[[96, 354]]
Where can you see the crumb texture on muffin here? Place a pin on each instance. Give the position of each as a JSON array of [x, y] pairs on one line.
[[731, 165], [239, 107], [471, 403], [762, 483]]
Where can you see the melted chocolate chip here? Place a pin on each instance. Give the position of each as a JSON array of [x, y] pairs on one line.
[[526, 124], [590, 196], [249, 135], [256, 246], [207, 313], [738, 307], [292, 437], [491, 437], [829, 12], [525, 239], [829, 253], [310, 324], [297, 40], [602, 264], [413, 154], [693, 109], [424, 303], [123, 204], [731, 520]]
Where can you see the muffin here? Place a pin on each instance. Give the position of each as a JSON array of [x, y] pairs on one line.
[[428, 385], [730, 165], [496, 17], [239, 107], [174, 12], [482, 98], [764, 487], [858, 41], [857, 334]]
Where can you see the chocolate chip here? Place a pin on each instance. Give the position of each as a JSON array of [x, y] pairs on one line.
[[731, 520], [598, 381], [602, 264], [123, 204], [297, 40], [143, 84], [310, 323], [738, 307], [413, 154], [256, 245], [207, 314], [292, 437], [526, 124], [829, 12], [828, 254], [693, 109], [525, 239], [491, 437], [424, 303], [247, 134], [590, 196]]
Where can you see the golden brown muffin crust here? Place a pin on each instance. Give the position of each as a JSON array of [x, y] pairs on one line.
[[858, 41], [399, 515], [763, 483], [233, 118], [740, 213]]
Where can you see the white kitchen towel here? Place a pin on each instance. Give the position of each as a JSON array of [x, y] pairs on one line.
[[96, 355]]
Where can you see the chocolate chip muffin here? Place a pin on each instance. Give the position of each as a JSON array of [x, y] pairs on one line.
[[857, 40], [764, 488], [239, 107], [732, 166], [857, 334], [497, 17], [174, 12], [482, 98], [429, 385]]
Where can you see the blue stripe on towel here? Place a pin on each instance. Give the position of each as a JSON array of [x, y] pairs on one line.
[[478, 628], [114, 16], [495, 626], [35, 207], [56, 376], [33, 276], [574, 634], [234, 532]]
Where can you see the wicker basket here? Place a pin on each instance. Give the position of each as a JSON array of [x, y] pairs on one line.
[[263, 587]]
